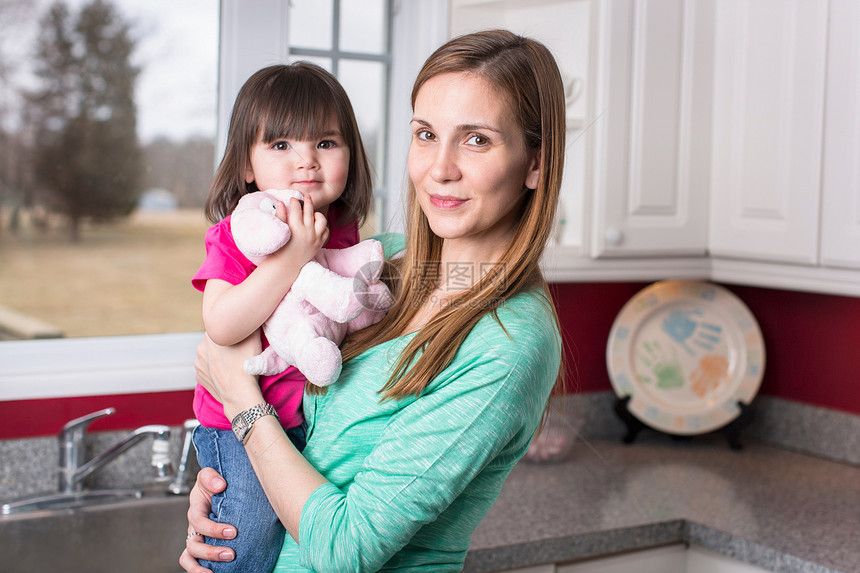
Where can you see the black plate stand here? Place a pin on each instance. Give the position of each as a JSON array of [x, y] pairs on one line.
[[730, 431]]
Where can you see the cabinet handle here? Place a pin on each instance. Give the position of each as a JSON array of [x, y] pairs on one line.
[[613, 236]]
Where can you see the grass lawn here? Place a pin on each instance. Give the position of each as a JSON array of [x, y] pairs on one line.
[[132, 277]]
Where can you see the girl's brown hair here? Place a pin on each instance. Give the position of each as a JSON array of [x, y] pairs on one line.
[[289, 101], [526, 73]]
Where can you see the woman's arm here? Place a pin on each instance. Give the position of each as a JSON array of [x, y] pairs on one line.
[[430, 451], [232, 312], [272, 454], [440, 460], [481, 415]]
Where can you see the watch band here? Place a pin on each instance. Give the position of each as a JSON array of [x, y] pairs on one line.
[[243, 423]]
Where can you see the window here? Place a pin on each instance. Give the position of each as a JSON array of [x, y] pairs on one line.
[[246, 37], [126, 239], [109, 149], [350, 38]]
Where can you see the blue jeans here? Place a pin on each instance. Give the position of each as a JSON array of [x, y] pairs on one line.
[[259, 533]]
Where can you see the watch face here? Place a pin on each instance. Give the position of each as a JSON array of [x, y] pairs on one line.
[[244, 421], [240, 426]]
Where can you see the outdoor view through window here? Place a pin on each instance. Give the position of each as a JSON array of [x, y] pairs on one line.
[[107, 130], [107, 149], [108, 127]]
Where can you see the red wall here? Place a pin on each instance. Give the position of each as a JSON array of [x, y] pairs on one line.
[[27, 418], [812, 343]]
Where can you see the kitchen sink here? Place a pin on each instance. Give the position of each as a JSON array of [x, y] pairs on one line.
[[69, 500], [144, 535]]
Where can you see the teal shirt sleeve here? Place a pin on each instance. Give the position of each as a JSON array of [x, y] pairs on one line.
[[392, 243], [440, 460]]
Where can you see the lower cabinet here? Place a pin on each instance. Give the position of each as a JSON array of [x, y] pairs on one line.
[[669, 559]]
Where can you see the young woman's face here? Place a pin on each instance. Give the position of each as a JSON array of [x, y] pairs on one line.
[[318, 167], [468, 160]]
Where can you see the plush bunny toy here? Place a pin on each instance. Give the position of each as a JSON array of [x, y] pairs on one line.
[[336, 293]]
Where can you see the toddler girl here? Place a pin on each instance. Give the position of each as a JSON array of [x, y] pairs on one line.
[[292, 127]]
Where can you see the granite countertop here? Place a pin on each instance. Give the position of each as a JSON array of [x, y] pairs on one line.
[[774, 508]]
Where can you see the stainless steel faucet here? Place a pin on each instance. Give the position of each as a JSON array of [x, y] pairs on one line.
[[72, 470], [179, 485]]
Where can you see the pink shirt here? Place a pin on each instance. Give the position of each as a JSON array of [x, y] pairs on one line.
[[224, 261]]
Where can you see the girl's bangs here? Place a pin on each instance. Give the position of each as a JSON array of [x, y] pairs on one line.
[[300, 110]]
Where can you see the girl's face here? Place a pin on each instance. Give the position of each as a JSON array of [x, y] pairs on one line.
[[318, 167], [468, 160]]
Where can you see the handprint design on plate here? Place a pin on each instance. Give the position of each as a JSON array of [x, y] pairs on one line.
[[709, 375], [667, 371], [685, 352], [680, 353], [686, 328]]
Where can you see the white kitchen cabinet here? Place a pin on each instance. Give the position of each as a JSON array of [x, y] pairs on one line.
[[785, 192], [565, 27], [651, 127], [715, 140], [668, 559], [768, 113], [840, 219], [546, 568], [701, 560], [638, 144]]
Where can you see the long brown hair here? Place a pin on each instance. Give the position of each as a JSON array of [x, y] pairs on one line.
[[289, 101], [526, 72]]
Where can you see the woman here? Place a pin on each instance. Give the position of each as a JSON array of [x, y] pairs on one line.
[[408, 451]]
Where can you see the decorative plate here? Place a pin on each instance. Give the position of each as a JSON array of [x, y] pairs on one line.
[[685, 352]]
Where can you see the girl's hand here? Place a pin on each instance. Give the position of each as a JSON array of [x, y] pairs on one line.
[[220, 370], [209, 482], [309, 230]]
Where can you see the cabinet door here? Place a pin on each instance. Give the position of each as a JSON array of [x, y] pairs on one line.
[[840, 218], [669, 559], [769, 72], [651, 127], [549, 568]]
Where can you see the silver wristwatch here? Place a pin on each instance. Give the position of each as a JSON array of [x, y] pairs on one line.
[[244, 421]]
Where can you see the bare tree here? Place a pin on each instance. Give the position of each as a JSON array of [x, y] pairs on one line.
[[87, 161], [12, 14]]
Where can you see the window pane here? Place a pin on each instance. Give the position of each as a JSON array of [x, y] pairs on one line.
[[363, 26], [364, 82], [325, 63], [101, 221], [311, 24]]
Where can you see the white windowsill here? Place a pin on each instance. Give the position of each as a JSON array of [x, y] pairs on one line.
[[69, 367]]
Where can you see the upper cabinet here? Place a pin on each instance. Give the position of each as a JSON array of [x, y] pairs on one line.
[[840, 182], [785, 185], [769, 86], [713, 139], [565, 27], [651, 128]]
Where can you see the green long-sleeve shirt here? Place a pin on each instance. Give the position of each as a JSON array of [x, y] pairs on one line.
[[411, 479]]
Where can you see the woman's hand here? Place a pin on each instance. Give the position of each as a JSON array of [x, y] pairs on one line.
[[219, 369], [209, 482]]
